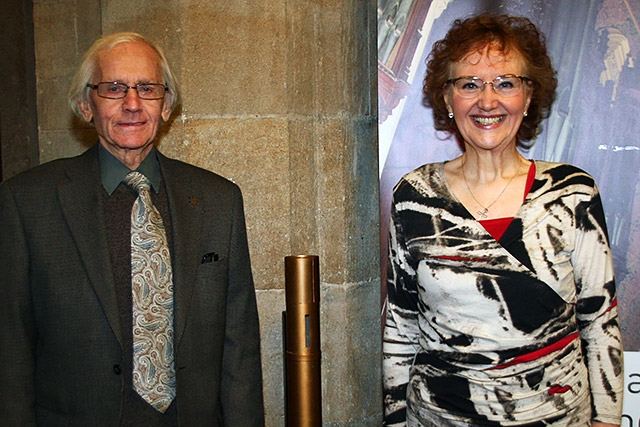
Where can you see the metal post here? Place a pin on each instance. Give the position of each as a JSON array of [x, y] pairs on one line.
[[302, 341]]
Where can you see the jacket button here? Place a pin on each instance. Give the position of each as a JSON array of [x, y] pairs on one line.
[[117, 369]]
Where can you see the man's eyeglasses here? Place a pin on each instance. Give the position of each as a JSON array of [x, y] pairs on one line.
[[507, 86], [115, 90]]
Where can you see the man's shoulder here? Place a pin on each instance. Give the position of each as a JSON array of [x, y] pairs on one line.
[[191, 175], [50, 173]]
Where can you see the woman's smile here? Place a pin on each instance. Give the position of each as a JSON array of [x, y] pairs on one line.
[[488, 121]]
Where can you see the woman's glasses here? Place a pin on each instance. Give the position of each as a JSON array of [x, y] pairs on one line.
[[507, 86]]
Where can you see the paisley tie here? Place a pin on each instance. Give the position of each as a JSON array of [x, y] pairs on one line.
[[154, 376]]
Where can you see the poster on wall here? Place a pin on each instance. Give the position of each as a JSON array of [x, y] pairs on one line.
[[594, 124]]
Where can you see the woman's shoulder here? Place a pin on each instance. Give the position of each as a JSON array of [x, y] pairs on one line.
[[561, 172], [544, 166], [424, 171], [424, 179], [559, 180]]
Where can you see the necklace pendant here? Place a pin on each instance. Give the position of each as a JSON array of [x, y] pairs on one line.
[[483, 213]]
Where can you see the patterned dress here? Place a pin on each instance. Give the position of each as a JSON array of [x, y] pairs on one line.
[[520, 331]]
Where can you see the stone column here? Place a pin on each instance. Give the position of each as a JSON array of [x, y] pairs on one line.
[[18, 121], [331, 99]]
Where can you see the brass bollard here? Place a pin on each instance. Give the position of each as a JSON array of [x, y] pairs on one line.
[[303, 391]]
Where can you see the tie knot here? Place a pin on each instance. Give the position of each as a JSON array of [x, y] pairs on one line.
[[138, 181]]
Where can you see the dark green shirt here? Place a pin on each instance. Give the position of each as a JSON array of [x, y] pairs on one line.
[[113, 171]]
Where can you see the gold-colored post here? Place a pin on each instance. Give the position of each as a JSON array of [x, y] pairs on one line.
[[302, 341]]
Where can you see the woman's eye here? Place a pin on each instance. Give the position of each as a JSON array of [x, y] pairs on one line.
[[470, 86]]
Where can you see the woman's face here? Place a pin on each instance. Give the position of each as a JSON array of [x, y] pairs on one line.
[[488, 121]]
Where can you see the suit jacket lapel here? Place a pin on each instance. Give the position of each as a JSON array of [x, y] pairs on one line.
[[80, 201], [186, 223]]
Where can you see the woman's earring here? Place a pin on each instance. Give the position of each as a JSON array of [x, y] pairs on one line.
[[451, 115], [525, 114]]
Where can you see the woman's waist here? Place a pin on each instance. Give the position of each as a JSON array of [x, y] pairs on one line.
[[497, 359], [551, 381]]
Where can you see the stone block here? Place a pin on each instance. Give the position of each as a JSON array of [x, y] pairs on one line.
[[351, 346], [55, 144], [55, 39], [54, 112], [253, 153], [271, 305], [236, 63]]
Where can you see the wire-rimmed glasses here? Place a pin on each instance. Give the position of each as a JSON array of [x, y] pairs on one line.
[[507, 86], [117, 90]]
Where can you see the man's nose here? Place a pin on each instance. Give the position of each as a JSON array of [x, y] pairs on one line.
[[131, 98]]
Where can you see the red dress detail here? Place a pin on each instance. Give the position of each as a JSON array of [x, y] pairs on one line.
[[496, 227]]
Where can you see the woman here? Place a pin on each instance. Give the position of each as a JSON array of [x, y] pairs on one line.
[[501, 298]]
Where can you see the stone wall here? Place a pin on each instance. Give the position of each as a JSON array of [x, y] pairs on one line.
[[18, 122], [280, 97]]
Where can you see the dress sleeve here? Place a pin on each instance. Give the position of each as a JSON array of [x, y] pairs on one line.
[[597, 310], [401, 331]]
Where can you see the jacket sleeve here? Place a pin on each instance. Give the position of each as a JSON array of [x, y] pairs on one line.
[[597, 310], [401, 331], [241, 384], [17, 323]]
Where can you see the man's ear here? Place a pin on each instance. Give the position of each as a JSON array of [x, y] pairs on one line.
[[166, 112], [85, 109]]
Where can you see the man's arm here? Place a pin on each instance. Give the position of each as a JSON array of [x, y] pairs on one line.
[[17, 322], [241, 384]]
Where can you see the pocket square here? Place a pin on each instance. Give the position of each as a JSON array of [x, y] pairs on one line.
[[210, 257]]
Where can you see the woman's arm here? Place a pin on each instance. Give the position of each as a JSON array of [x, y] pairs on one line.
[[401, 330], [597, 311]]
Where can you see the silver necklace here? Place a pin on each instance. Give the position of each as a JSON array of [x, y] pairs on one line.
[[482, 214]]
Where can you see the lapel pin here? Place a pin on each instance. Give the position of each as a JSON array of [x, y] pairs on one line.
[[193, 201]]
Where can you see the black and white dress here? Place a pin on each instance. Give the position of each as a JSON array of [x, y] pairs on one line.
[[520, 331]]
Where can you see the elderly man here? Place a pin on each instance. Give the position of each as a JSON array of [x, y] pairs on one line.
[[127, 294]]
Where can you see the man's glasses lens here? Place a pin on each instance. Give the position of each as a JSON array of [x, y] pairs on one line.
[[119, 90]]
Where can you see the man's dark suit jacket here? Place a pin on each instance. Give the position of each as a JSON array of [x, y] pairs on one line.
[[60, 334]]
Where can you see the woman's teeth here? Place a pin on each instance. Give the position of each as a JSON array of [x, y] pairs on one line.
[[485, 121]]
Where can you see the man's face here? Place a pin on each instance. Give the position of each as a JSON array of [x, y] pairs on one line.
[[128, 126]]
